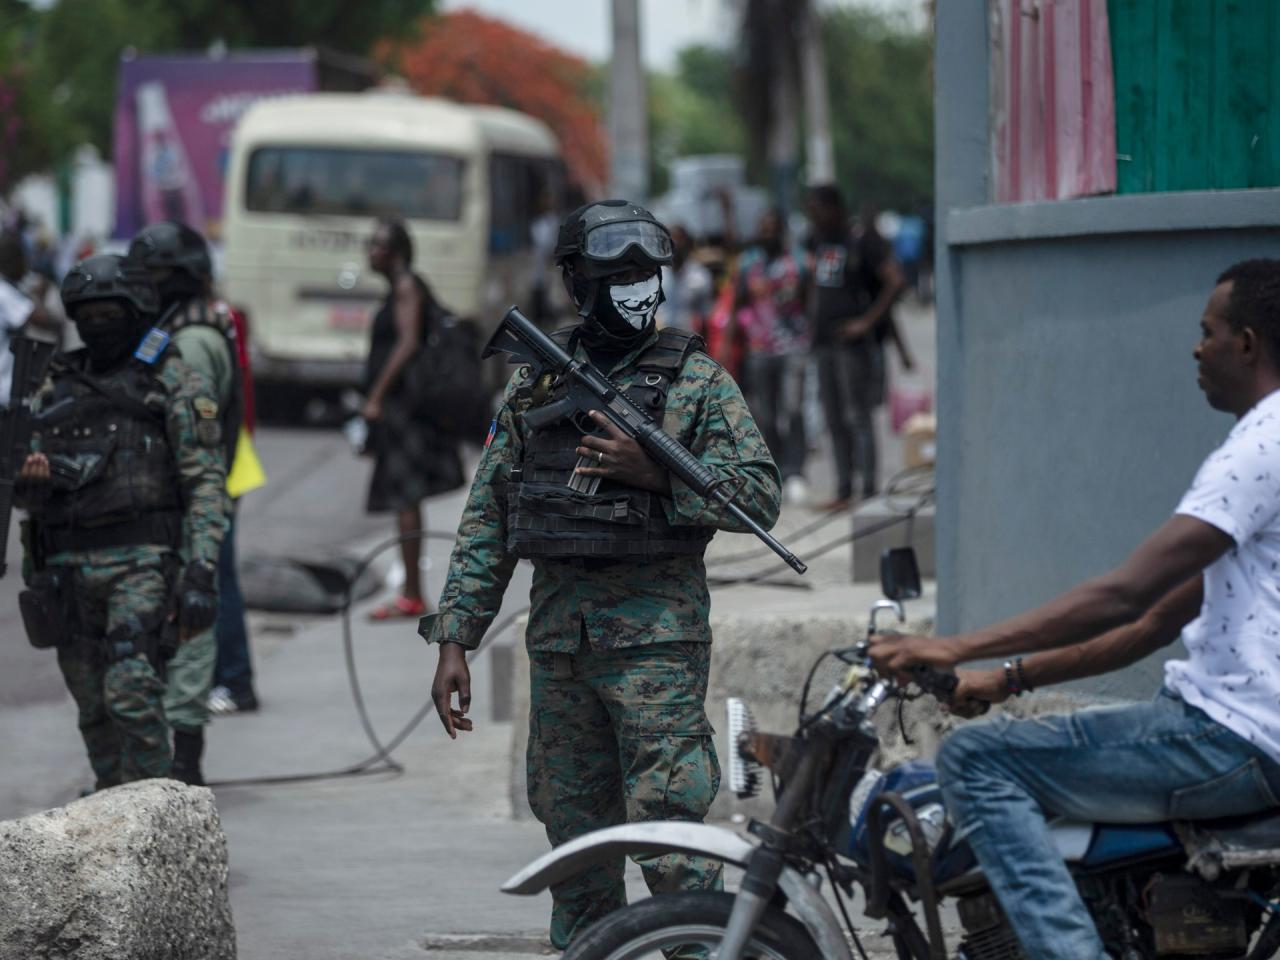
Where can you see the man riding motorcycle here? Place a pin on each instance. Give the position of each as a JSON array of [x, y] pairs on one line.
[[1209, 744]]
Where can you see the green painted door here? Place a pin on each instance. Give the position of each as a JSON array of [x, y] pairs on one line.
[[1197, 94]]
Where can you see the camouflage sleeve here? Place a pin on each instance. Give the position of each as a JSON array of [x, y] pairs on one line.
[[480, 566], [198, 446], [707, 413]]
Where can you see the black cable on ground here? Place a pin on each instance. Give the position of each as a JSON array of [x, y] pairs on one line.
[[380, 761], [809, 556], [904, 485]]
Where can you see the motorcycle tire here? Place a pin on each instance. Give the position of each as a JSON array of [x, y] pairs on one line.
[[643, 930]]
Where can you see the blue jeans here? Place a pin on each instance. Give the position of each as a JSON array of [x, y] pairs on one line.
[[234, 669], [1148, 762]]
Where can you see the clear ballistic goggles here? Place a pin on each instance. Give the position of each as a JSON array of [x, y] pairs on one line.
[[608, 241]]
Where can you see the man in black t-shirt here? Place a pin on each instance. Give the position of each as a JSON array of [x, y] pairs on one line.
[[855, 281]]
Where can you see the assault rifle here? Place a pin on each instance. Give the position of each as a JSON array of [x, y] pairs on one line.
[[578, 387], [30, 358]]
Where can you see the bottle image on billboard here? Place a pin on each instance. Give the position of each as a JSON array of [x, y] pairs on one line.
[[169, 187]]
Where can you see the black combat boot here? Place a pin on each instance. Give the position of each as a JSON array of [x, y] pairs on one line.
[[188, 746]]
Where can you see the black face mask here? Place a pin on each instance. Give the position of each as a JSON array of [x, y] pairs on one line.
[[608, 330], [110, 341]]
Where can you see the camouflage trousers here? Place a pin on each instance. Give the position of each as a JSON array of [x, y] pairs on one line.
[[120, 700], [620, 736], [188, 680]]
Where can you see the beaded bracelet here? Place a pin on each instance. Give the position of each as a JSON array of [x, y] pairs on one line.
[[1022, 677]]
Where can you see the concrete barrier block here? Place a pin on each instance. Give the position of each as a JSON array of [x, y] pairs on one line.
[[138, 871], [916, 532]]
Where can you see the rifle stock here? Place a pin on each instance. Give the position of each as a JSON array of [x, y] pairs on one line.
[[582, 388]]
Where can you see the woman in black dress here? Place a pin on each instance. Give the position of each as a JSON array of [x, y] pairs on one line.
[[411, 460]]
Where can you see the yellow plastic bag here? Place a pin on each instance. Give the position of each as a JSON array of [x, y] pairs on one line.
[[246, 472]]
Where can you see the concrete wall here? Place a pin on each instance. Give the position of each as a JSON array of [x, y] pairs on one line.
[[1069, 417]]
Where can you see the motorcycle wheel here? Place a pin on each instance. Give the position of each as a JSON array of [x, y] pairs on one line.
[[644, 930]]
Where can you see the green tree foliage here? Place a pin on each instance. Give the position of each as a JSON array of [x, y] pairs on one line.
[[693, 110], [64, 59], [880, 79]]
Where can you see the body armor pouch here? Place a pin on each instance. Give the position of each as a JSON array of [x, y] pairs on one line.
[[44, 606], [549, 519]]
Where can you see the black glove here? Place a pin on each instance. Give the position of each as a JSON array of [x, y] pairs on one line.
[[197, 597]]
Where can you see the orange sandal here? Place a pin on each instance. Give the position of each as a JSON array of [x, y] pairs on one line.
[[402, 608]]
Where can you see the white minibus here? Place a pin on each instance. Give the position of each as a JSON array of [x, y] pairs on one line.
[[308, 175]]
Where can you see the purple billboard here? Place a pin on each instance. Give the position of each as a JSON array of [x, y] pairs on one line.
[[174, 117]]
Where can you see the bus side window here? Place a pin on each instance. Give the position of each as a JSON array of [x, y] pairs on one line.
[[516, 187]]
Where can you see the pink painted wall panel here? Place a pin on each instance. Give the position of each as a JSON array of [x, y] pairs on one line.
[[1053, 130]]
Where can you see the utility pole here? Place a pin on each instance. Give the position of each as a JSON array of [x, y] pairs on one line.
[[783, 146], [817, 111], [628, 116]]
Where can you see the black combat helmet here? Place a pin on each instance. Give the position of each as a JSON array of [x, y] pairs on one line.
[[611, 236], [177, 258], [110, 276]]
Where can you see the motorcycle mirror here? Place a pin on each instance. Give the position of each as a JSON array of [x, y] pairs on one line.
[[899, 574]]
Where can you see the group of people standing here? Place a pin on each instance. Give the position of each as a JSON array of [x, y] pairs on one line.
[[785, 310], [129, 561]]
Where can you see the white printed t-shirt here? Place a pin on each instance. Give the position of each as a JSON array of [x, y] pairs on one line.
[[1233, 671]]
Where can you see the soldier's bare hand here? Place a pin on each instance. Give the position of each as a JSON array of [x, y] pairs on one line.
[[35, 469], [621, 458], [452, 674]]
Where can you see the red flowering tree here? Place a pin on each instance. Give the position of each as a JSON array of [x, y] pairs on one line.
[[476, 59]]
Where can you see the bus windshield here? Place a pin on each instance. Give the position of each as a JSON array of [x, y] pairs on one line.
[[355, 183]]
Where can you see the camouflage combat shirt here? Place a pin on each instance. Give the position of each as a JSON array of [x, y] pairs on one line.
[[620, 604], [191, 424]]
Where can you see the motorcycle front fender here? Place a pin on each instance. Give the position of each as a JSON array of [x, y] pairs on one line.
[[694, 839]]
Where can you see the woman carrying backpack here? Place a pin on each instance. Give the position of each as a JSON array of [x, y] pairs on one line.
[[412, 459]]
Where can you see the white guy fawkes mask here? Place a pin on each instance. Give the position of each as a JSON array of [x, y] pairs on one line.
[[636, 302]]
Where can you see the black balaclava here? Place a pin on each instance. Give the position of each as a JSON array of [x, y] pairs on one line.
[[111, 341]]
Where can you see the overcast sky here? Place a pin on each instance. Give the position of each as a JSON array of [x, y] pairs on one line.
[[582, 26]]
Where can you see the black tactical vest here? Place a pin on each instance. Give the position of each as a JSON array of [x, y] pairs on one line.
[[198, 312], [115, 479], [546, 519]]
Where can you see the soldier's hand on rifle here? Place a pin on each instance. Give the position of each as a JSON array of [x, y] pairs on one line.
[[35, 469], [621, 458], [452, 673]]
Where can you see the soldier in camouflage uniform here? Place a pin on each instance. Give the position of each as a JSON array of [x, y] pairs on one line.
[[618, 636], [177, 258], [126, 470]]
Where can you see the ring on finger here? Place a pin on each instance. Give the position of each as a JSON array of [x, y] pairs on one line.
[[600, 456]]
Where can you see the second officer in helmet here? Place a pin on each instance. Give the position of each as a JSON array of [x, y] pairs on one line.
[[204, 334], [618, 635], [125, 492]]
